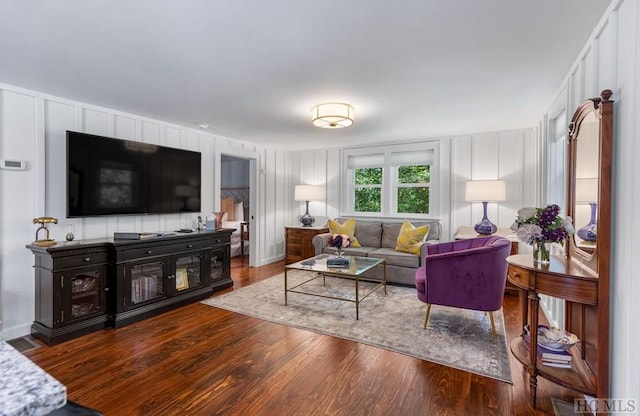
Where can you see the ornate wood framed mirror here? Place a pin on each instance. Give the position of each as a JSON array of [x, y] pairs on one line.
[[589, 205], [589, 179]]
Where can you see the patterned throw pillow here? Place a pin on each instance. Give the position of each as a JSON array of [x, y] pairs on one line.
[[348, 228], [410, 237]]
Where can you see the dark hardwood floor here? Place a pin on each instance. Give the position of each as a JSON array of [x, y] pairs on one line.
[[200, 360]]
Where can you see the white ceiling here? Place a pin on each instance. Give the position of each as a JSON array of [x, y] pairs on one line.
[[252, 69]]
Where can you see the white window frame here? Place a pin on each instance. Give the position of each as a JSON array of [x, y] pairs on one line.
[[388, 203], [372, 160]]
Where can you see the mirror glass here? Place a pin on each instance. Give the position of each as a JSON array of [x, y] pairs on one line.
[[586, 182]]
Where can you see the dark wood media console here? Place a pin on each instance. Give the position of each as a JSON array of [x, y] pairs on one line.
[[85, 286]]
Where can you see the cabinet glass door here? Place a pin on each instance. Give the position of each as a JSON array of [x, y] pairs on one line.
[[188, 272], [147, 282], [217, 263], [87, 293]]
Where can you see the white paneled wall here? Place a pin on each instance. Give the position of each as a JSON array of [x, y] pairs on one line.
[[611, 60], [510, 155], [19, 201], [33, 128]]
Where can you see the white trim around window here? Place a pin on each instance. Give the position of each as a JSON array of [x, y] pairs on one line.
[[389, 158]]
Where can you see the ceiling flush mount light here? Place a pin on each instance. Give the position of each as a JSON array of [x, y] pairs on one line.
[[332, 115]]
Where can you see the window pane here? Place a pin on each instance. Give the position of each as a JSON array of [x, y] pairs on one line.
[[413, 200], [369, 176], [367, 199], [414, 174]]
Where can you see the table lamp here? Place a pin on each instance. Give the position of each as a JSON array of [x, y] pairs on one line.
[[485, 192], [587, 193], [308, 193]]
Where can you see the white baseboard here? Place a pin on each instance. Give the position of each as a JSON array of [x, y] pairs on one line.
[[15, 332]]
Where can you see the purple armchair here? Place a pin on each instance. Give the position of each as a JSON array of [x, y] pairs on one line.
[[468, 274]]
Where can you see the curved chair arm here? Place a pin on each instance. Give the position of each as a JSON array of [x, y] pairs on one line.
[[467, 244]]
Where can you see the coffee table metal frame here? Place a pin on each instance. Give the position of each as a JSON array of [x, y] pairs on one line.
[[358, 266]]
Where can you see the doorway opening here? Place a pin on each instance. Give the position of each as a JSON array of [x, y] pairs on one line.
[[237, 196]]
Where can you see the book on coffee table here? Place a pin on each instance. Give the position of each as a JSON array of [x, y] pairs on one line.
[[338, 262]]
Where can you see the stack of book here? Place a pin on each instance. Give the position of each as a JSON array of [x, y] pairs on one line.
[[550, 358], [338, 262]]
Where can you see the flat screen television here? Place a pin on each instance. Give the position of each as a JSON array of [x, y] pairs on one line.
[[107, 176]]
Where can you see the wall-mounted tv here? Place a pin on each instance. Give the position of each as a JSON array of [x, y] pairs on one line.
[[107, 176]]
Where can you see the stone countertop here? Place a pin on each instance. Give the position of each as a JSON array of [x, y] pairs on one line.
[[25, 388]]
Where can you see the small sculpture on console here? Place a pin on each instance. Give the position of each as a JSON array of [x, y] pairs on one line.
[[43, 221]]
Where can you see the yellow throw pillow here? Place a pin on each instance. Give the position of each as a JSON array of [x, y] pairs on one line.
[[410, 237], [348, 228]]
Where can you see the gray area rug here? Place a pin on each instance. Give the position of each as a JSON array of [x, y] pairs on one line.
[[456, 338]]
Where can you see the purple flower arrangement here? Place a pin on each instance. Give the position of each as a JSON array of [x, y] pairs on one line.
[[339, 241], [536, 225]]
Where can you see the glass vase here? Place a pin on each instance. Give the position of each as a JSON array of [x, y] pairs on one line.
[[339, 251], [541, 252]]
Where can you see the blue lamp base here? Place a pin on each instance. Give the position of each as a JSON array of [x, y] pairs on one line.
[[307, 220], [485, 227], [590, 231]]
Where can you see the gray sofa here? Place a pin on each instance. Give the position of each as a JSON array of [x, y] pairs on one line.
[[378, 239]]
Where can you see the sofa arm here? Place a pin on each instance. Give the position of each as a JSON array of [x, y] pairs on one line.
[[424, 250], [320, 241]]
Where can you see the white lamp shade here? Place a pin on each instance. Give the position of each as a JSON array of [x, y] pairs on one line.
[[485, 191], [586, 190], [332, 115], [309, 193]]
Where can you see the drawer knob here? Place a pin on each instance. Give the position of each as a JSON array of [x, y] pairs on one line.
[[149, 251], [87, 259], [189, 245], [106, 289], [217, 240]]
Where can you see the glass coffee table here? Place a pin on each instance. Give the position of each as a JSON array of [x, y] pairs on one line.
[[357, 267]]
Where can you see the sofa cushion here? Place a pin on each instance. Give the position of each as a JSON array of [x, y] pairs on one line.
[[352, 251], [390, 231], [396, 258], [348, 228], [410, 238], [369, 233]]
